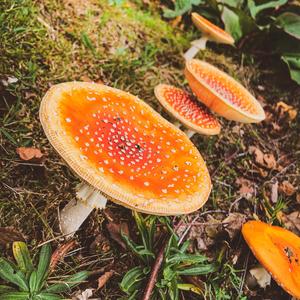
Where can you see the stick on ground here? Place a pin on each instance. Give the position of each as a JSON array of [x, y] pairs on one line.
[[154, 273]]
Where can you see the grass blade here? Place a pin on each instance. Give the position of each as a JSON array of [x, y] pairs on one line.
[[43, 267], [8, 273], [22, 257]]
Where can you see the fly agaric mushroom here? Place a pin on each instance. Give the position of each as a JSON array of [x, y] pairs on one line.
[[187, 110], [221, 93], [210, 32], [123, 150], [278, 250]]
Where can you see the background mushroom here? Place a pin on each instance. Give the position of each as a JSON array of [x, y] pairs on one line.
[[278, 250], [187, 110], [209, 32], [124, 150], [221, 93]]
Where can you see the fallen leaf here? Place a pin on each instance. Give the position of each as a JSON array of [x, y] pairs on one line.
[[292, 221], [30, 154], [9, 80], [258, 154], [103, 279], [233, 224], [267, 160], [9, 235], [85, 78], [263, 278], [287, 188], [282, 108], [298, 197], [174, 23], [247, 187], [60, 253], [85, 295], [115, 230]]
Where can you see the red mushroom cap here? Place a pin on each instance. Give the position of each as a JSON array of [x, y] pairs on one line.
[[221, 93], [186, 109], [122, 147], [278, 250]]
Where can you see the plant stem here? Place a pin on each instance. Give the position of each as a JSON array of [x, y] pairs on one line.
[[155, 270]]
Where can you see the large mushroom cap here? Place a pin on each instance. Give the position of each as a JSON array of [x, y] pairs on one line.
[[213, 32], [278, 250], [121, 146], [221, 93], [186, 109]]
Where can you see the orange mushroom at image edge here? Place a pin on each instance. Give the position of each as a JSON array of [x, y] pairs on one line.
[[278, 251], [221, 93], [210, 32], [187, 110], [123, 151]]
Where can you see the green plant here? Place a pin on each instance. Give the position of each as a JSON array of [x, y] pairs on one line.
[[176, 263], [265, 27], [30, 282]]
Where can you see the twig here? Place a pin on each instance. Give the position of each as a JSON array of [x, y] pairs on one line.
[[187, 230], [154, 273]]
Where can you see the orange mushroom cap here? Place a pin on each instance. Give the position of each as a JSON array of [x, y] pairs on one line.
[[122, 147], [213, 32], [221, 93], [186, 109], [278, 250]]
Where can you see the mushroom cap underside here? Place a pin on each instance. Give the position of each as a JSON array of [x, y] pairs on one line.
[[187, 110], [122, 147], [278, 250], [221, 93], [213, 32]]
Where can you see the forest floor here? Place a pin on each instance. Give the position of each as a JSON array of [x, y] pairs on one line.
[[254, 168]]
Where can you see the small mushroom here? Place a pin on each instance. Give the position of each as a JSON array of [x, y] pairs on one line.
[[122, 150], [210, 32], [221, 93], [278, 251], [187, 110]]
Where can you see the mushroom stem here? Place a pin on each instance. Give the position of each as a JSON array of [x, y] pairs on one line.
[[77, 210], [196, 46], [189, 132], [177, 124]]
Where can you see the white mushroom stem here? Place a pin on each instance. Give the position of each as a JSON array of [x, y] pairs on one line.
[[189, 132], [77, 210], [196, 46]]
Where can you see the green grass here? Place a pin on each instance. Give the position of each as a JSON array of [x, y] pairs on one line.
[[130, 47]]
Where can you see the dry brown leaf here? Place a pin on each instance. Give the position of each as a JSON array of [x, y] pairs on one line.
[[233, 224], [103, 279], [267, 160], [60, 253], [258, 154], [174, 23], [287, 188], [9, 235], [247, 187], [282, 107], [292, 221], [298, 197], [115, 230], [86, 78], [30, 154]]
